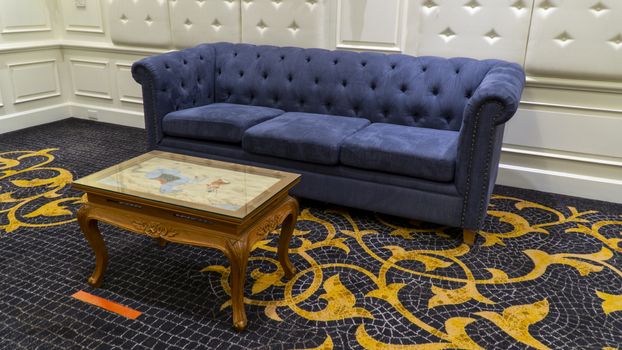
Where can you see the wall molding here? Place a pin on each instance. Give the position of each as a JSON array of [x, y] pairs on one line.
[[83, 25], [34, 117], [20, 97], [574, 84], [124, 95], [567, 183], [102, 65], [45, 25], [396, 44], [108, 114]]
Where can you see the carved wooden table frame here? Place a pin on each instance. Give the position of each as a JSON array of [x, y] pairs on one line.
[[169, 223]]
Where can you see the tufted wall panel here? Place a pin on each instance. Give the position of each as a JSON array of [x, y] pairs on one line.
[[302, 23], [140, 22], [395, 89], [576, 39], [199, 21], [475, 28]]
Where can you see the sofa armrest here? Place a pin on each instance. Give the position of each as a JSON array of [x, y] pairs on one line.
[[174, 81], [493, 103], [503, 84]]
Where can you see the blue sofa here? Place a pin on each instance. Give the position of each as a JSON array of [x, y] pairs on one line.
[[417, 137]]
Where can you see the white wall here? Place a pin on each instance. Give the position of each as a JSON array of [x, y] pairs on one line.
[[59, 59]]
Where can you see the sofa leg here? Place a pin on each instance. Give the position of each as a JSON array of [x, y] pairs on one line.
[[469, 236]]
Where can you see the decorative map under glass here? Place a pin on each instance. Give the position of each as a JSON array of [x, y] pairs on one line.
[[228, 188]]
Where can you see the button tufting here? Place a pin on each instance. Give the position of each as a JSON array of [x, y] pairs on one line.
[[403, 88], [308, 59]]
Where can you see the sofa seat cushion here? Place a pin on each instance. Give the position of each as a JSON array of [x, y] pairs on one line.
[[419, 152], [308, 137], [223, 122]]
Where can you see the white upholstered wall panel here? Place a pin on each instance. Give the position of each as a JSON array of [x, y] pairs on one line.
[[20, 16], [34, 80], [576, 39], [472, 28], [371, 24], [128, 89], [199, 21], [90, 78], [87, 18], [140, 22], [286, 22]]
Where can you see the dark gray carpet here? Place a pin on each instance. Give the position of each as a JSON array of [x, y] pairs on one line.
[[547, 272]]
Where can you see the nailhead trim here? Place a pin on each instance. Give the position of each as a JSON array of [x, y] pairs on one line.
[[470, 166]]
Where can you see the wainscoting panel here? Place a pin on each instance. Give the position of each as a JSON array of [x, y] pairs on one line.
[[286, 22], [22, 16], [576, 39], [476, 28], [34, 80], [87, 18], [90, 78], [564, 131], [371, 25], [129, 90], [195, 22], [140, 22]]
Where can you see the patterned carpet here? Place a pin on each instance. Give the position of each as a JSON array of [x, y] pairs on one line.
[[546, 273]]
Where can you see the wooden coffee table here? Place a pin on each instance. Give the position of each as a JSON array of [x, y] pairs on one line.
[[189, 200]]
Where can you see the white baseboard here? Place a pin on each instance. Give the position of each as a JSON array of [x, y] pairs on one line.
[[108, 115], [33, 117], [579, 185]]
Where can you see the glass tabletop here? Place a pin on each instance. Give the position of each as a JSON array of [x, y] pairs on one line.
[[197, 183]]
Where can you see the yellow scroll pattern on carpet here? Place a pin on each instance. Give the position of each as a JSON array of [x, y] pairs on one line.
[[438, 277], [32, 191], [324, 280]]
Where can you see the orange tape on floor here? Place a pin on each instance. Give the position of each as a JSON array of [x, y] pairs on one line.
[[107, 305]]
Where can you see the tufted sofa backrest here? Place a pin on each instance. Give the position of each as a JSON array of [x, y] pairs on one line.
[[426, 92]]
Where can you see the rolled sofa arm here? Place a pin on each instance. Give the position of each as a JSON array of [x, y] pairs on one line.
[[174, 81], [503, 84], [493, 103]]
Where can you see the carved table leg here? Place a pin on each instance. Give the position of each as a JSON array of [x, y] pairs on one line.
[[238, 257], [287, 229], [94, 237]]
